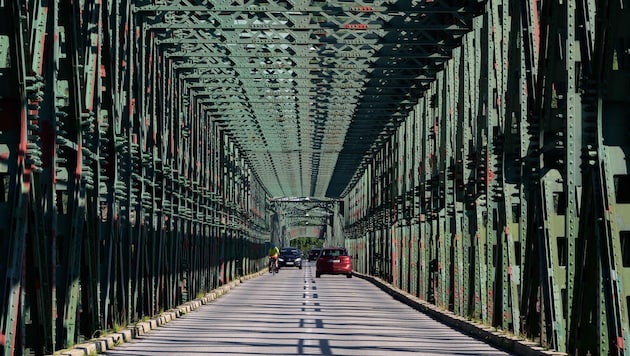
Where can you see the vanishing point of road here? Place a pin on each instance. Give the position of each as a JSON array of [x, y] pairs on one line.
[[294, 313]]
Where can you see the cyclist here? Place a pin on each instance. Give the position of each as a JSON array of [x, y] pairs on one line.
[[273, 256]]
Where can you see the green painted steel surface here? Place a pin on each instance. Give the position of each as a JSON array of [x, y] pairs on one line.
[[522, 208], [472, 153]]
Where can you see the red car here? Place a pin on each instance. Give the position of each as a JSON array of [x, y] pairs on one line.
[[334, 260]]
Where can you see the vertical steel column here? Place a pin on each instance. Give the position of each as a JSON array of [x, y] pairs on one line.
[[16, 189], [513, 143], [530, 289], [388, 205], [466, 151], [442, 229], [429, 265], [407, 213], [451, 217], [499, 21], [552, 196], [457, 122], [415, 212], [397, 233], [603, 35]]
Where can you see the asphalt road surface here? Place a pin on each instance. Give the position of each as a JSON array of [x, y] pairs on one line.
[[294, 313]]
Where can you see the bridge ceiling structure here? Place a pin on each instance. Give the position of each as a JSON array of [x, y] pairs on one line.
[[307, 90]]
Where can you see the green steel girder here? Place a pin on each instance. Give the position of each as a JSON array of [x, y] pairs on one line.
[[380, 84], [305, 6], [416, 62], [381, 9], [236, 97]]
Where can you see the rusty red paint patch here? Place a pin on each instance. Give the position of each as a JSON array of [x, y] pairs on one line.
[[362, 8], [490, 175], [79, 169], [356, 26]]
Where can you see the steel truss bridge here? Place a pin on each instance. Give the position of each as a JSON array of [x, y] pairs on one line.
[[472, 153]]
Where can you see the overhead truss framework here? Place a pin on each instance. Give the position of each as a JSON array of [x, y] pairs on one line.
[[307, 89], [307, 217]]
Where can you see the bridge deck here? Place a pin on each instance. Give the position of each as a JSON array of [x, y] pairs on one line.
[[294, 313]]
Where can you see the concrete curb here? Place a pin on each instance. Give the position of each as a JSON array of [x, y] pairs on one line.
[[482, 332], [113, 339]]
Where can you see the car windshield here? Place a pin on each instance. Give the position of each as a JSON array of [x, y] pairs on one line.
[[336, 252], [289, 251]]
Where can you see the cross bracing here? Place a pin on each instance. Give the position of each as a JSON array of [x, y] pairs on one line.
[[345, 66]]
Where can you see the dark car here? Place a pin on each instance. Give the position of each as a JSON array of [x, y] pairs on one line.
[[334, 260], [313, 254], [290, 256]]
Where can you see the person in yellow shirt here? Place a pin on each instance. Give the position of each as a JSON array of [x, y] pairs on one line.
[[273, 257]]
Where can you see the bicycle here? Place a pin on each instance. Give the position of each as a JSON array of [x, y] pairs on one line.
[[273, 265]]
